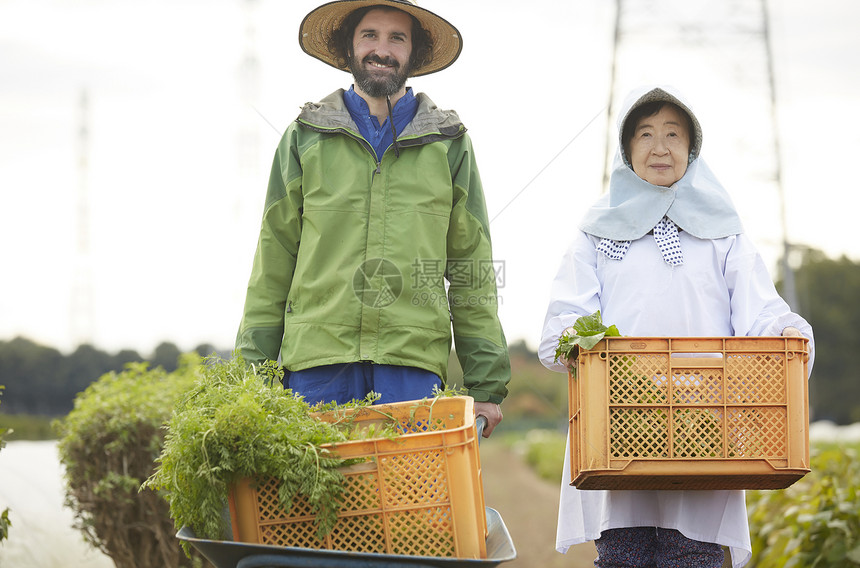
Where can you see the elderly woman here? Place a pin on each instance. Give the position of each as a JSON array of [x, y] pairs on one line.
[[662, 254]]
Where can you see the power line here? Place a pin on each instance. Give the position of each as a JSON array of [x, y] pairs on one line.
[[81, 316], [729, 42], [789, 291]]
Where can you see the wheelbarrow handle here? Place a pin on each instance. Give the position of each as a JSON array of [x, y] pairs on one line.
[[481, 423]]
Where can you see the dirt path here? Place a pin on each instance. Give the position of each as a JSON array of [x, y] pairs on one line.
[[529, 507]]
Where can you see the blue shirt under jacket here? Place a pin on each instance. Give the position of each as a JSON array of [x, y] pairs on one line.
[[379, 135]]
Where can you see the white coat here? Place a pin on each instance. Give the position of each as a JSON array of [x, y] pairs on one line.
[[722, 289]]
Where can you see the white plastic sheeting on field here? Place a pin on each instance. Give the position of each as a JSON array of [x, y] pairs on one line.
[[41, 536], [825, 431]]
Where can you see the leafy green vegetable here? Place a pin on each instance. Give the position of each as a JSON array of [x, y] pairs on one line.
[[586, 333], [815, 522], [236, 422], [239, 422]]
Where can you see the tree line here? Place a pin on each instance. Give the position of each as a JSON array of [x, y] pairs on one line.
[[42, 381], [828, 294]]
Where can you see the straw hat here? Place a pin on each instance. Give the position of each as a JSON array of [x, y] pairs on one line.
[[318, 25]]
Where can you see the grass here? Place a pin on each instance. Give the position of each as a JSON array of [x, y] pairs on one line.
[[27, 427]]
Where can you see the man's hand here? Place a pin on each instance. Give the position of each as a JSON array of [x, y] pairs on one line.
[[492, 412]]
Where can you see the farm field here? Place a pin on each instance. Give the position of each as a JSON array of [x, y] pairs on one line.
[[529, 507], [31, 486], [41, 536]]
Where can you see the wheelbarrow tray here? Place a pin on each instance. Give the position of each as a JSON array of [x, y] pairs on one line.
[[231, 554]]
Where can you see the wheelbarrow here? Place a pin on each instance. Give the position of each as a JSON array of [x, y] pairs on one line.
[[230, 554], [233, 554]]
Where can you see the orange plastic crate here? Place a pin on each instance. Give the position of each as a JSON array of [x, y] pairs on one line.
[[417, 494], [690, 413]]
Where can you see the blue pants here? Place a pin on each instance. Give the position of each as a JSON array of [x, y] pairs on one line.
[[352, 381], [649, 547]]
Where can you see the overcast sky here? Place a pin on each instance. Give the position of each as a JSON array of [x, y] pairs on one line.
[[180, 134]]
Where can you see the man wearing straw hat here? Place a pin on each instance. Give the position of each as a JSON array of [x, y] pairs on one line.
[[374, 203]]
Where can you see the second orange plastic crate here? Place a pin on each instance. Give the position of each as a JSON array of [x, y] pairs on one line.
[[417, 494], [690, 413]]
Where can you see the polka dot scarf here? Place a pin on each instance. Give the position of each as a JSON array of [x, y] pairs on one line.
[[666, 237]]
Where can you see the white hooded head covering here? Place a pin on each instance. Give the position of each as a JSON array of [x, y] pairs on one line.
[[697, 203]]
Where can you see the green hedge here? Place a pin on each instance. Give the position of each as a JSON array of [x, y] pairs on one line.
[[108, 445]]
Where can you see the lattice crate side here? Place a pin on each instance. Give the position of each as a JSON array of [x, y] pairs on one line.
[[768, 402], [450, 449], [638, 397], [588, 388], [757, 412], [419, 493], [574, 427], [737, 388], [590, 391], [698, 415], [360, 526]]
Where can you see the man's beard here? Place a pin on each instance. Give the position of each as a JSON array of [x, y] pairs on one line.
[[374, 86]]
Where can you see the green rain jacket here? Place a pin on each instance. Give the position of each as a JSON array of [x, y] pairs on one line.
[[353, 252]]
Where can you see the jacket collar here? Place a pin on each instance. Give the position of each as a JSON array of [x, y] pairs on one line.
[[331, 114]]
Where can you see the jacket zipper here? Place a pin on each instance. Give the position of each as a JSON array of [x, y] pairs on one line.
[[404, 142], [364, 143]]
